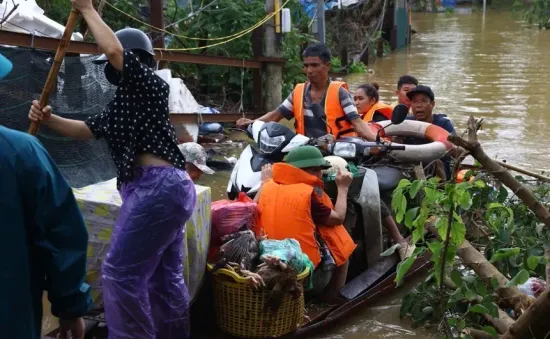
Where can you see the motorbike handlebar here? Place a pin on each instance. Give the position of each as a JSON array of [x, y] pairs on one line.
[[396, 148]]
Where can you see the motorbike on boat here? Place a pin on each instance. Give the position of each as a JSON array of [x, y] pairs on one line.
[[274, 141], [363, 219]]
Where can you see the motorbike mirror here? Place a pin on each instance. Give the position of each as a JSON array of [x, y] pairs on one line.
[[399, 114]]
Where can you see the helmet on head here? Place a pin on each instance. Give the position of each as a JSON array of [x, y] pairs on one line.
[[136, 41], [5, 66]]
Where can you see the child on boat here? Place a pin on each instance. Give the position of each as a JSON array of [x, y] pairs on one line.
[[145, 294]]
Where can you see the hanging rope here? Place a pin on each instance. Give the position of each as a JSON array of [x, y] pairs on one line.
[[230, 37]]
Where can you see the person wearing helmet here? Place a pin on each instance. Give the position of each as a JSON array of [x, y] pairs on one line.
[[145, 295], [195, 160], [46, 240], [296, 187]]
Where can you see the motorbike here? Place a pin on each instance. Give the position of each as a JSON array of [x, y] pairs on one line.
[[273, 142]]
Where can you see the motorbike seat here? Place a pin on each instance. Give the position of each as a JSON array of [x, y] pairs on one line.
[[388, 178]]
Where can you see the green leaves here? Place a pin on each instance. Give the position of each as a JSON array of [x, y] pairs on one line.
[[519, 279], [504, 253], [477, 308], [404, 266]]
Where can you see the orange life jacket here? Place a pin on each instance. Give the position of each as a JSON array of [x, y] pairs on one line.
[[285, 212], [335, 115], [386, 110]]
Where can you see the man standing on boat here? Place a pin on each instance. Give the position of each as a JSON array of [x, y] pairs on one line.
[[145, 295], [45, 240], [330, 100], [405, 84]]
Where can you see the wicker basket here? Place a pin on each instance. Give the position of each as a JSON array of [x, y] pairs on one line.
[[240, 309]]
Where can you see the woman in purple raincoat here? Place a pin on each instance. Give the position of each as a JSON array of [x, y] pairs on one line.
[[145, 294]]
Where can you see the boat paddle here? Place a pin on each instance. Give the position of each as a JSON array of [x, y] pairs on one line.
[[56, 65]]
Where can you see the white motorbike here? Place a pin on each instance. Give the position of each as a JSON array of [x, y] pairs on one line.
[[273, 142]]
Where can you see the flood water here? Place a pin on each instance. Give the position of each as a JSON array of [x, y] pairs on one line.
[[496, 69]]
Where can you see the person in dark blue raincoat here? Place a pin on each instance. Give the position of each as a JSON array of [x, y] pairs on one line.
[[44, 240]]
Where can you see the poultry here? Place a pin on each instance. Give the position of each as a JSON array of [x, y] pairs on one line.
[[280, 279], [239, 251]]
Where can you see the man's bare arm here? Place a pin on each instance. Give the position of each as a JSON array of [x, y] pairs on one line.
[[363, 130]]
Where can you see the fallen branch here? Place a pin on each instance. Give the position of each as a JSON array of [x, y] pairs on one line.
[[478, 334], [534, 322], [472, 258], [505, 177], [501, 324], [547, 256], [522, 171]]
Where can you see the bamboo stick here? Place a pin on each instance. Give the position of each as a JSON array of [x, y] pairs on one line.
[[56, 65]]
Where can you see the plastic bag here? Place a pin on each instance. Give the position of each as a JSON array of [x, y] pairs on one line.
[[533, 287], [290, 252], [229, 216], [352, 168]]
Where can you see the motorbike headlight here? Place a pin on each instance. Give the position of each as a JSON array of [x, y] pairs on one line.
[[344, 149], [269, 144]]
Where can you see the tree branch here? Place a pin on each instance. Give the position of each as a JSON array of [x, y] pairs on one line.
[[505, 177]]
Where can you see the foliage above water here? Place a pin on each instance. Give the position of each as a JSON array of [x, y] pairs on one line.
[[535, 12], [499, 225]]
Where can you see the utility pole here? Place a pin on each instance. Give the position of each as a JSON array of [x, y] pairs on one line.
[[274, 72], [321, 21]]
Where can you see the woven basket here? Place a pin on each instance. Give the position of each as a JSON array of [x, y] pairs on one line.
[[240, 309]]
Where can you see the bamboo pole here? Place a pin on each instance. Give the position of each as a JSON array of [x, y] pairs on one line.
[[56, 65]]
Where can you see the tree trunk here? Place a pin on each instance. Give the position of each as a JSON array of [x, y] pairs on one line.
[[511, 296], [534, 323]]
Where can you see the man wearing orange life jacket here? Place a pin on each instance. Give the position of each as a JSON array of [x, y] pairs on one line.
[[292, 204], [319, 102]]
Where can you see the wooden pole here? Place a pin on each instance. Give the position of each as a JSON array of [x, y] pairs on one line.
[[274, 73], [156, 8], [56, 65]]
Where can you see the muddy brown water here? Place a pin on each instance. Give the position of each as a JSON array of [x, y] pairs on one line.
[[496, 69]]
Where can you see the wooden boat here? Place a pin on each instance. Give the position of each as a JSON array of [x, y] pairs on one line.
[[372, 285], [320, 319]]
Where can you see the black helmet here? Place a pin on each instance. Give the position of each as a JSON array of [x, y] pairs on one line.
[[132, 39]]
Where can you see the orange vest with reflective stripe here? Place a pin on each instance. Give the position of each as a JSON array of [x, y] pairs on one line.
[[285, 212], [386, 110], [335, 115]]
